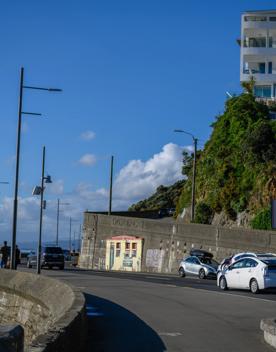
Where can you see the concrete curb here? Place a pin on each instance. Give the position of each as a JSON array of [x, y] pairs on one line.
[[269, 328], [52, 312]]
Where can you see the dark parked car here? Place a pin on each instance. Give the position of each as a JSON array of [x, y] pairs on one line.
[[50, 257]]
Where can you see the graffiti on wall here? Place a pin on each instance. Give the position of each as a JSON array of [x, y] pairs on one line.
[[154, 258]]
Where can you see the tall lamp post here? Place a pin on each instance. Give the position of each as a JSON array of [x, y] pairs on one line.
[[15, 202], [58, 210], [39, 190], [195, 140]]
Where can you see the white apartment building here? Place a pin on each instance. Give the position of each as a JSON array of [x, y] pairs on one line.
[[258, 52]]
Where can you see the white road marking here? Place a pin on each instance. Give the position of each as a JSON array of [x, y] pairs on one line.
[[170, 285], [171, 334], [157, 278]]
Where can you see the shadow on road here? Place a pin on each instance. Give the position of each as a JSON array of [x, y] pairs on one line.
[[114, 328]]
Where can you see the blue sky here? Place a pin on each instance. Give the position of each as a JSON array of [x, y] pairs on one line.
[[131, 72]]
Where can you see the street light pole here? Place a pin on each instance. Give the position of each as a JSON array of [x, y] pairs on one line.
[[57, 221], [194, 180], [15, 201], [195, 140], [41, 214], [110, 185], [70, 229], [79, 246]]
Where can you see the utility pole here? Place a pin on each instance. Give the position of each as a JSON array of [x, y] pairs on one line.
[[110, 185]]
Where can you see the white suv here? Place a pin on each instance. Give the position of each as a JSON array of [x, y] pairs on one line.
[[249, 273]]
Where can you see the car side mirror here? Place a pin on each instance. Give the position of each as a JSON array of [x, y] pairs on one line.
[[229, 268]]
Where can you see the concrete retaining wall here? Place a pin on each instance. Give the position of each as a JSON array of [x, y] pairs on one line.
[[165, 242], [51, 312]]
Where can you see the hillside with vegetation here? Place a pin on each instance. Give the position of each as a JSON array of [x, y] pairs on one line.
[[236, 170], [163, 198]]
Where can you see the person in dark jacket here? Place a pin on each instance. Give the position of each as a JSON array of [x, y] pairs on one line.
[[17, 256], [5, 254]]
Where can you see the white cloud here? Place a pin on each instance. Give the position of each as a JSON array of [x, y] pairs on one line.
[[57, 187], [138, 179], [88, 135], [135, 181], [88, 160]]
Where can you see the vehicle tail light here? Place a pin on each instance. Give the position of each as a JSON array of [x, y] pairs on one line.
[[265, 271]]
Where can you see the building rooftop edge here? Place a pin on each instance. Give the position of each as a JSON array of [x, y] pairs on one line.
[[259, 11]]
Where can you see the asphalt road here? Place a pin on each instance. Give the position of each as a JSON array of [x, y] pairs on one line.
[[148, 312]]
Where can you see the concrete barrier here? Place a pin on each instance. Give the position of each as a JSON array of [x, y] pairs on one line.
[[269, 328], [51, 312]]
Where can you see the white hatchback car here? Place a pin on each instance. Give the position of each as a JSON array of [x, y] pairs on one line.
[[249, 273]]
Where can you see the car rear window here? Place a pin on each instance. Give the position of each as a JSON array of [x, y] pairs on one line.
[[53, 250]]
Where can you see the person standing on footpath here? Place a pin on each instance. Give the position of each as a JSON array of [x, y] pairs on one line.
[[5, 254]]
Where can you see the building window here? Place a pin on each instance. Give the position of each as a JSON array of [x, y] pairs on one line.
[[262, 91], [127, 246], [261, 67], [270, 67], [272, 19], [134, 249], [118, 249], [254, 18]]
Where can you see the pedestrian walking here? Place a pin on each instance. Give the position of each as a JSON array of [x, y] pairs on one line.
[[5, 255], [17, 256]]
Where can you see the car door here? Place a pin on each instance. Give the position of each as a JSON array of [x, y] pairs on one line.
[[247, 272], [232, 274], [188, 265], [196, 266]]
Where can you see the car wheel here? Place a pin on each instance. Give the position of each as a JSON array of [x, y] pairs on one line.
[[254, 287], [181, 272], [29, 266], [201, 274], [223, 283]]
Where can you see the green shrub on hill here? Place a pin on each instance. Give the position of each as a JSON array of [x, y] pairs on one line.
[[236, 169]]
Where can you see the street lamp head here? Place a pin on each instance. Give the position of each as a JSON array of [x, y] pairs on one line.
[[36, 191], [48, 179], [54, 90]]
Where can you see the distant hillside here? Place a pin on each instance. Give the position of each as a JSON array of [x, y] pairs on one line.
[[164, 197]]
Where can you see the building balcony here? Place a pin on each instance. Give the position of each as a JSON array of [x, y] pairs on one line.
[[259, 51], [259, 25], [263, 78]]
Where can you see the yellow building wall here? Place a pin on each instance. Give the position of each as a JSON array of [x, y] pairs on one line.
[[124, 253]]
